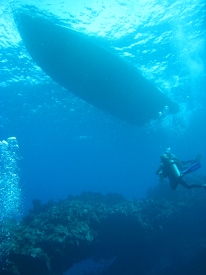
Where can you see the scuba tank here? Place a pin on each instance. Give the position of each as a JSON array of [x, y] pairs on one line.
[[170, 163], [174, 168]]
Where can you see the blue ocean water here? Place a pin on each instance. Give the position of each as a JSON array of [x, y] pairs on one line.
[[68, 146]]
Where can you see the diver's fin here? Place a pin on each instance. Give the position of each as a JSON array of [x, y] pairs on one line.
[[193, 167]]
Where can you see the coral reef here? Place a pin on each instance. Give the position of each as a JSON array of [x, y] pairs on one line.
[[149, 236]]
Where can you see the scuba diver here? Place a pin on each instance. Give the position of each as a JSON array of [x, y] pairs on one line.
[[171, 167]]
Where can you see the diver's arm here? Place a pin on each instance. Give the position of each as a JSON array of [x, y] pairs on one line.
[[159, 168]]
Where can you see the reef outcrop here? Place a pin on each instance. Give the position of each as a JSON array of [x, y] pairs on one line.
[[157, 235]]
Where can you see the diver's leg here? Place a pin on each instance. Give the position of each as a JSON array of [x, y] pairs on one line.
[[183, 183], [173, 183]]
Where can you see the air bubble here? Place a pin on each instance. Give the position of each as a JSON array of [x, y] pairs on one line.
[[10, 192]]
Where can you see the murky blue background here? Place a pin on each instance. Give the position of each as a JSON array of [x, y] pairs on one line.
[[68, 146]]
